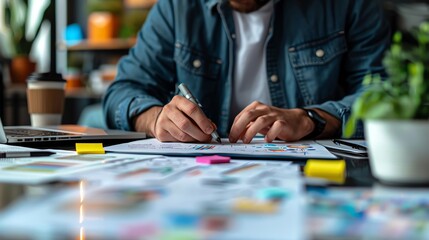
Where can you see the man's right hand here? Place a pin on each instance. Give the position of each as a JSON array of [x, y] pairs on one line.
[[179, 121]]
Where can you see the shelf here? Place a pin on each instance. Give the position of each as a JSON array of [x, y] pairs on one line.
[[21, 89], [109, 45]]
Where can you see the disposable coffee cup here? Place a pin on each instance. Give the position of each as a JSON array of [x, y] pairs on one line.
[[45, 98]]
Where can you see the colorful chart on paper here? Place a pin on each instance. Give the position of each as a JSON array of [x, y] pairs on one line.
[[46, 167], [257, 149]]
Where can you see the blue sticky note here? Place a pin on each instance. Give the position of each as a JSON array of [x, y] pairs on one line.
[[273, 193], [183, 220]]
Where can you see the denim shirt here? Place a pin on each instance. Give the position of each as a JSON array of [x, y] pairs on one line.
[[317, 55]]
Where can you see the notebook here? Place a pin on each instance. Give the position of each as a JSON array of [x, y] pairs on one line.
[[28, 134]]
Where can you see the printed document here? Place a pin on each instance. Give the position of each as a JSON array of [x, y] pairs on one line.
[[258, 148]]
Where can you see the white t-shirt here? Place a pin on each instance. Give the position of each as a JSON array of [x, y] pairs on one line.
[[250, 74]]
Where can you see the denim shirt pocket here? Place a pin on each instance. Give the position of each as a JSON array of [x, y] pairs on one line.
[[317, 66], [196, 63]]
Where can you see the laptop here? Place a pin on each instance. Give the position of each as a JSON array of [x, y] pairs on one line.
[[28, 134]]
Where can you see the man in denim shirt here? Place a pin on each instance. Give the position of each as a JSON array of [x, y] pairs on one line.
[[311, 57]]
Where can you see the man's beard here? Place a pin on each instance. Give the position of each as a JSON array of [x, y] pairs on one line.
[[250, 6], [261, 2]]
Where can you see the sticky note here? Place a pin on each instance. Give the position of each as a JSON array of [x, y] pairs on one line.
[[215, 223], [89, 148], [273, 194], [183, 219], [178, 233], [333, 170], [245, 205], [215, 159]]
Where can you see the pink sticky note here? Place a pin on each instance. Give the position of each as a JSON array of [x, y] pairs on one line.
[[215, 159]]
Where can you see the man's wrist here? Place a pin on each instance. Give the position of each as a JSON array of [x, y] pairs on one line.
[[319, 123], [145, 122], [307, 125], [158, 112]]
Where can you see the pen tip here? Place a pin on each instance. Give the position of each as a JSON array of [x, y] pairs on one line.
[[218, 140]]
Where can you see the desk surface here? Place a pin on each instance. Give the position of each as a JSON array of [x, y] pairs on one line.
[[358, 176], [359, 183]]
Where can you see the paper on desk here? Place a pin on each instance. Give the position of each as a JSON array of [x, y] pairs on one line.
[[13, 161], [258, 148], [10, 148], [36, 170], [380, 212], [140, 209]]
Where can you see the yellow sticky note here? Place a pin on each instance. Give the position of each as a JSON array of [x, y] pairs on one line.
[[333, 170], [245, 205], [89, 148]]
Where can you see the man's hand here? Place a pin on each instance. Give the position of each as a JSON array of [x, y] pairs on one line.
[[178, 121], [276, 123], [284, 124]]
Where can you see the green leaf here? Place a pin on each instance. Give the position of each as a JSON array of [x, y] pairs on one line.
[[350, 127], [16, 19], [397, 37]]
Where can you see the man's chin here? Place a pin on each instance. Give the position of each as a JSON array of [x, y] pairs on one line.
[[244, 5]]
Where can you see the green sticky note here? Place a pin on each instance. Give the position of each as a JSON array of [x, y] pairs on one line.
[[90, 148]]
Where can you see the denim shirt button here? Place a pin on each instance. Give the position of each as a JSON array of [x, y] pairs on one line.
[[320, 53], [274, 78], [196, 63], [233, 36]]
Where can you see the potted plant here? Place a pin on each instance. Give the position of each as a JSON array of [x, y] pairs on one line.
[[395, 112], [18, 39]]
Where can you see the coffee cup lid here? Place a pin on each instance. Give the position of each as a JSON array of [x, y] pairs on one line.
[[45, 77]]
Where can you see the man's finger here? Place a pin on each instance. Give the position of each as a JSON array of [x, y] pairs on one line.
[[275, 130], [179, 135], [241, 123], [196, 114], [251, 106], [187, 125], [164, 136], [260, 123]]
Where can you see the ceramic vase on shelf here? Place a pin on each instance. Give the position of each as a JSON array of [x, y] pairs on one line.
[[20, 68]]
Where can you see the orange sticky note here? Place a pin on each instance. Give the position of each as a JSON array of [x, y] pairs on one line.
[[90, 148]]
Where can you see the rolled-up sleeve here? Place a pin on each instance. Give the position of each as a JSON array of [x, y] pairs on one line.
[[145, 76]]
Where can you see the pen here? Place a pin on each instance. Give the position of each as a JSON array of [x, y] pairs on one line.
[[188, 95], [25, 154], [353, 145]]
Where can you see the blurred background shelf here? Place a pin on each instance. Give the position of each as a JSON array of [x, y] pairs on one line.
[[109, 45], [90, 65]]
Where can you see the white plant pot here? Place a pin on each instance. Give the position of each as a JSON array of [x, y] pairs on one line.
[[399, 150]]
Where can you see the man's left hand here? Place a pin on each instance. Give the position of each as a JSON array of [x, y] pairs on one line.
[[273, 122]]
